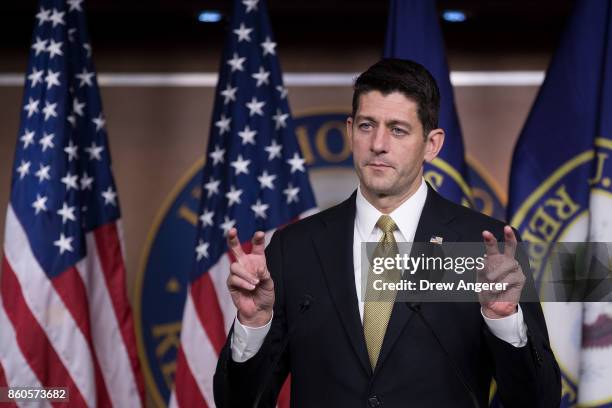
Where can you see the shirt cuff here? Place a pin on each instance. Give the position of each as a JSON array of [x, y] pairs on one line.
[[246, 341], [511, 329]]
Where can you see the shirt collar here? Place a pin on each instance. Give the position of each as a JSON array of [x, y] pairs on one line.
[[406, 216]]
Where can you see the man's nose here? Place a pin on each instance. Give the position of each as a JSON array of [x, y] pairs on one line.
[[380, 141]]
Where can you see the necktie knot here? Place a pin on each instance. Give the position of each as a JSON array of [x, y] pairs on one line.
[[386, 224]]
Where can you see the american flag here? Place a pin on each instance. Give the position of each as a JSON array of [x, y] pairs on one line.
[[65, 320], [254, 179]]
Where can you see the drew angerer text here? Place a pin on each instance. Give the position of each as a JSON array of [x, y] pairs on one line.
[[424, 284]]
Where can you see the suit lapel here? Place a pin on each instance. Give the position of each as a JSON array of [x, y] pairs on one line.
[[434, 221], [334, 245]]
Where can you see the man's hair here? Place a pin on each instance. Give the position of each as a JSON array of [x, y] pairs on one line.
[[406, 77]]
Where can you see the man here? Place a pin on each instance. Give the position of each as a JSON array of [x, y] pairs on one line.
[[301, 310]]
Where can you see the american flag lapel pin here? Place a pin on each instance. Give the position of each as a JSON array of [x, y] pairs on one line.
[[436, 240]]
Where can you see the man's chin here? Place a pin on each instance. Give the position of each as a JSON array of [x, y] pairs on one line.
[[378, 189]]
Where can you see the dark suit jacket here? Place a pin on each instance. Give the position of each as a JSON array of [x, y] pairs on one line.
[[325, 346]]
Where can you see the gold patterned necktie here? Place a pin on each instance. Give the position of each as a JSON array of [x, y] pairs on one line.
[[379, 304]]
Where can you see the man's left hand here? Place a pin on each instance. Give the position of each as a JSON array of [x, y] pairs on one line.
[[501, 267]]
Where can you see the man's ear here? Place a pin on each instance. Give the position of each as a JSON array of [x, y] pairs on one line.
[[433, 144], [349, 131]]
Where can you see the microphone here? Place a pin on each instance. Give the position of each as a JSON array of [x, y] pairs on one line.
[[303, 307], [416, 308]]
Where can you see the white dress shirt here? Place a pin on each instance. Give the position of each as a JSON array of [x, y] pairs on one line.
[[246, 341]]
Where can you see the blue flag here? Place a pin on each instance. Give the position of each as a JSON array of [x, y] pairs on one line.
[[560, 189], [413, 32]]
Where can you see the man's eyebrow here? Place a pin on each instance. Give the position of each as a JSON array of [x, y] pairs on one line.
[[389, 123], [398, 122], [368, 118]]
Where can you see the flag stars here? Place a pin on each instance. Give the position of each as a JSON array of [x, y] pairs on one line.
[[72, 151], [212, 187], [71, 34], [27, 138], [291, 193], [247, 135], [243, 33], [43, 173], [262, 77], [223, 124], [87, 48], [67, 213], [54, 48], [296, 163], [217, 155], [23, 169], [39, 46], [268, 47], [85, 78], [52, 78], [274, 150], [266, 180], [229, 94], [227, 225], [282, 91], [233, 196], [57, 17], [236, 62], [201, 250], [255, 107], [35, 77], [74, 5], [260, 209], [71, 119], [110, 196], [47, 141], [86, 181], [64, 243], [40, 204], [49, 110], [207, 218], [77, 107], [250, 5], [70, 181], [99, 122], [31, 107], [240, 165], [42, 16], [94, 151], [280, 119]]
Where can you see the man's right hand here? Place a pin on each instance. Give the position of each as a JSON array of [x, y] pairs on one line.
[[249, 281]]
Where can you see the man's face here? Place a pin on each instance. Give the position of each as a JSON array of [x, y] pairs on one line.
[[388, 145]]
